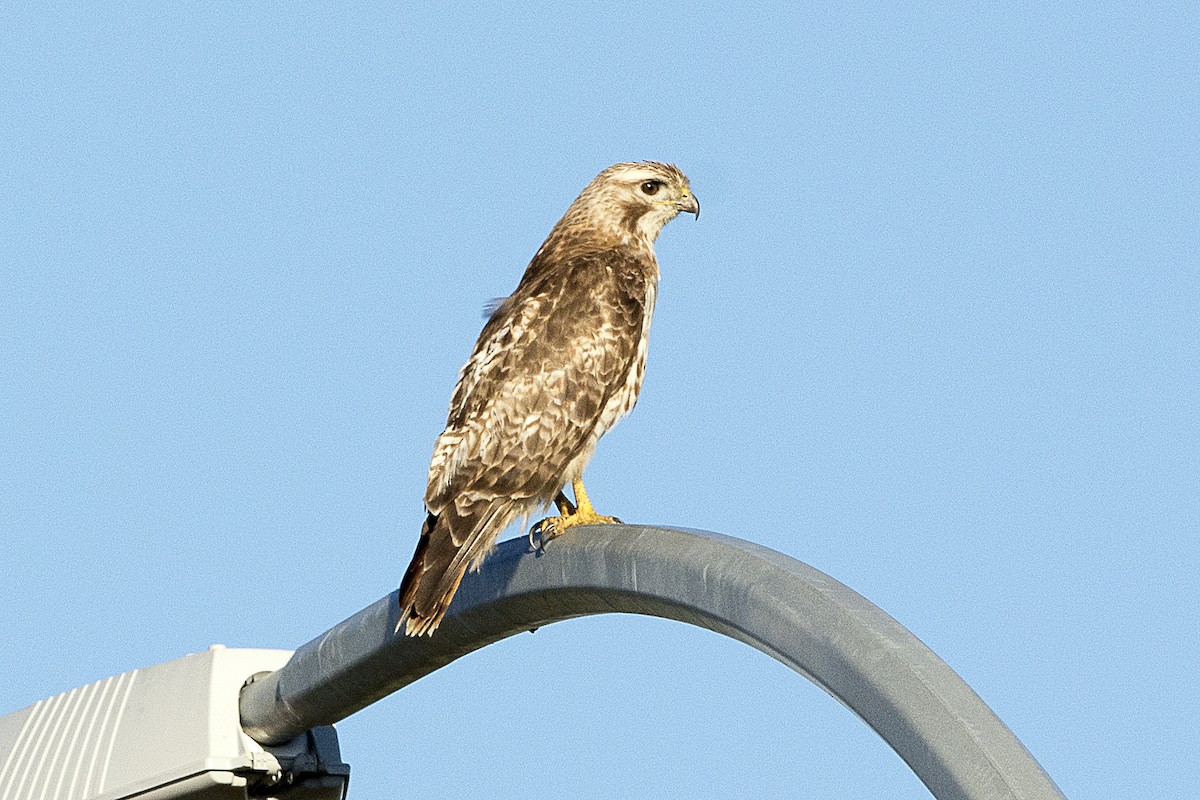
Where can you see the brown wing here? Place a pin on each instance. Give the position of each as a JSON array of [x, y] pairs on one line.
[[527, 403]]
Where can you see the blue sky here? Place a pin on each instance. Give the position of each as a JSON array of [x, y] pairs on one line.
[[936, 333]]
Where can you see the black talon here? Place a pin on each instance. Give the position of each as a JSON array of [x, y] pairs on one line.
[[537, 537]]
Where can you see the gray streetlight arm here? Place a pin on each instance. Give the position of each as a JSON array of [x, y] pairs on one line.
[[783, 607]]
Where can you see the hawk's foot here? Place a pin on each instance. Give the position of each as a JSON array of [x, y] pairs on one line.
[[553, 527], [569, 517]]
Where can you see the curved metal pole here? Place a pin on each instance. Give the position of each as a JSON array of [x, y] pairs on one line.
[[785, 608]]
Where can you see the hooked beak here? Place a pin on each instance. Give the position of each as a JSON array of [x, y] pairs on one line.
[[689, 203]]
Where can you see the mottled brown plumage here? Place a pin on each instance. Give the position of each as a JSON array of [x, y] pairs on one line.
[[557, 364]]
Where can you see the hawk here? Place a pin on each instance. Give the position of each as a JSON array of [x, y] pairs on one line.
[[558, 363]]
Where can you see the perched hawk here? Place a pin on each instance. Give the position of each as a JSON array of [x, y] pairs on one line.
[[557, 364]]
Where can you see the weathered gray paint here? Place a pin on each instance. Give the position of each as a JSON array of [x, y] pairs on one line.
[[781, 606]]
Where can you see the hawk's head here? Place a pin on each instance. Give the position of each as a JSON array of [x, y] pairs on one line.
[[633, 201]]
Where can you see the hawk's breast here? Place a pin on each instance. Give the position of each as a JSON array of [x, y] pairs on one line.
[[625, 397]]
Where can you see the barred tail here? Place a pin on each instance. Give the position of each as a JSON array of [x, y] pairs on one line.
[[450, 542]]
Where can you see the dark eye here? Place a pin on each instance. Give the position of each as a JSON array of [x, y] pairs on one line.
[[651, 187]]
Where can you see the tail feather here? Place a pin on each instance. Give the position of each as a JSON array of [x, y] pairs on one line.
[[450, 543]]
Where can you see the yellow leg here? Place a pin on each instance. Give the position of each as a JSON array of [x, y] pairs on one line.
[[570, 515], [565, 507]]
